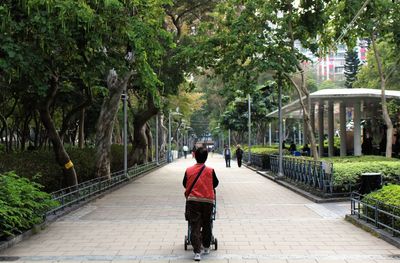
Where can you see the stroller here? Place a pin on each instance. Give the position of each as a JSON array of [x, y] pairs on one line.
[[214, 241]]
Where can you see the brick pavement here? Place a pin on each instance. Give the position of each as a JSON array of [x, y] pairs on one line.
[[257, 221]]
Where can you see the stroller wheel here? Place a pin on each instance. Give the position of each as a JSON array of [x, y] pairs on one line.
[[185, 243], [216, 244]]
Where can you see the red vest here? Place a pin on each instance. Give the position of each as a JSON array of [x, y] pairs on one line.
[[203, 190]]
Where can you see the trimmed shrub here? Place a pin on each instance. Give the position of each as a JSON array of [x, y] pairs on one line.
[[22, 204], [262, 150], [389, 201], [350, 172]]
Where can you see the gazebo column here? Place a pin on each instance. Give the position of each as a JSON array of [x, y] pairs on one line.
[[270, 134], [330, 129], [342, 113], [284, 129], [357, 129], [300, 141], [307, 134], [321, 128]]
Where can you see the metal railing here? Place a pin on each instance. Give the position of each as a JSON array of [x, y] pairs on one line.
[[75, 194], [258, 160], [317, 174], [373, 211]]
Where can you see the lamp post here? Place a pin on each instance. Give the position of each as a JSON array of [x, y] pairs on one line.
[[124, 99], [157, 151], [249, 99], [229, 138], [280, 173], [169, 134]]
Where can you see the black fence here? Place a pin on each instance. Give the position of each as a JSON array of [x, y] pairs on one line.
[[261, 161], [381, 215], [83, 191], [316, 174]]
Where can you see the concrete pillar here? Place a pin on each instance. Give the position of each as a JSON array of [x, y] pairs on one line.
[[321, 128], [357, 129], [312, 117], [343, 146], [270, 134], [300, 141], [284, 129], [330, 129]]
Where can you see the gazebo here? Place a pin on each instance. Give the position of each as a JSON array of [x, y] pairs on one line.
[[363, 103]]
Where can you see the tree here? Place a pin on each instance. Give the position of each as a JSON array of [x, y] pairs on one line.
[[34, 65], [254, 37], [351, 66], [368, 75], [170, 67], [376, 20]]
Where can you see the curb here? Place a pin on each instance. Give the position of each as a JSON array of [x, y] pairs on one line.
[[380, 233], [51, 218], [309, 196]]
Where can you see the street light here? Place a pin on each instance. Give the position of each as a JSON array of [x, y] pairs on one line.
[[169, 134], [124, 99], [157, 151], [249, 129], [280, 162]]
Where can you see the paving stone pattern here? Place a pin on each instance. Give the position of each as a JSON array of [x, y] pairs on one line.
[[257, 221]]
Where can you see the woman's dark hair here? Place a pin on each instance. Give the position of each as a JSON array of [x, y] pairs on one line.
[[201, 155]]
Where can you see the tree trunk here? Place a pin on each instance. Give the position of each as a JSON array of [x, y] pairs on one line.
[[37, 130], [385, 113], [61, 155], [162, 136], [306, 114], [78, 109], [302, 90], [149, 137], [25, 130], [139, 153], [117, 132], [4, 130], [105, 123], [81, 136]]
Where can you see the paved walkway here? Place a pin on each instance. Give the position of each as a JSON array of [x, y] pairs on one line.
[[257, 221]]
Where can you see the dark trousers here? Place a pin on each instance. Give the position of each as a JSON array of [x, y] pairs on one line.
[[228, 161], [239, 161], [199, 216]]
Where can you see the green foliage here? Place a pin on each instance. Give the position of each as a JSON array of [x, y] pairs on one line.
[[41, 162], [262, 149], [351, 67], [336, 142], [22, 204], [389, 194], [357, 159], [387, 199], [368, 76], [350, 172]]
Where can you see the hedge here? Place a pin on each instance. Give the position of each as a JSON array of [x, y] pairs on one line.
[[348, 170], [30, 163], [345, 173], [389, 197], [22, 204]]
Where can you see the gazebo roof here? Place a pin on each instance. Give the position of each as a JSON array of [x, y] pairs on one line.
[[349, 96]]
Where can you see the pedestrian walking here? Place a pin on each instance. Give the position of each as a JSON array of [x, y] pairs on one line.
[[185, 150], [200, 182], [239, 155], [227, 155]]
